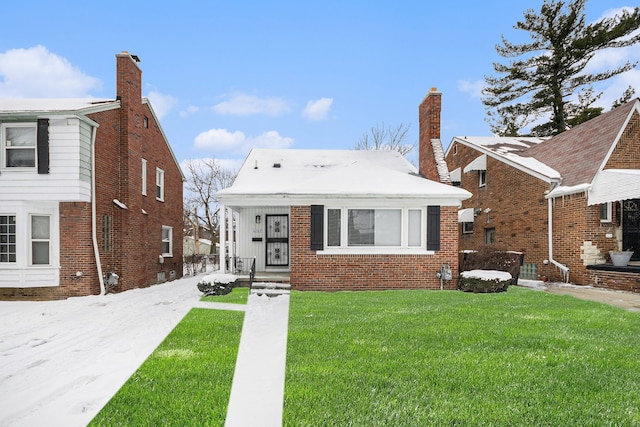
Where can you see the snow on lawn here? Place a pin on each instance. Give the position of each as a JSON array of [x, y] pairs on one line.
[[61, 361]]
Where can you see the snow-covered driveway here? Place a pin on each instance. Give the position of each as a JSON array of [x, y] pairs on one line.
[[61, 361]]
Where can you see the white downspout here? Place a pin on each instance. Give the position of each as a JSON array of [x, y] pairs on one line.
[[562, 267], [94, 233], [223, 231]]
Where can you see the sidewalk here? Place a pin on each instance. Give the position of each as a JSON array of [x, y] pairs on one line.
[[258, 382]]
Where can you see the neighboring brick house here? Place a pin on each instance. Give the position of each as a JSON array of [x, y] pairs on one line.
[[88, 188], [587, 180], [356, 220]]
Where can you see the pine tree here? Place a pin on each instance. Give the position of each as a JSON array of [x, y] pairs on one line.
[[543, 74]]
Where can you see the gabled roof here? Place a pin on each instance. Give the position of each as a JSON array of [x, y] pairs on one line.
[[571, 159], [578, 153], [269, 176], [513, 151]]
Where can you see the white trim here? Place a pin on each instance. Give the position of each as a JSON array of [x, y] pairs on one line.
[[144, 177], [159, 183], [365, 249], [170, 241]]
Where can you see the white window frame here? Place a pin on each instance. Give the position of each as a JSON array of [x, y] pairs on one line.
[[3, 143], [482, 178], [605, 212], [33, 240], [159, 184], [8, 244], [466, 229], [404, 246], [168, 239], [144, 177]]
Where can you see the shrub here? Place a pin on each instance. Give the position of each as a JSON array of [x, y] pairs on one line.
[[217, 284], [493, 258]]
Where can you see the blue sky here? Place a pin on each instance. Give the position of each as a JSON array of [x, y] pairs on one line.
[[227, 76]]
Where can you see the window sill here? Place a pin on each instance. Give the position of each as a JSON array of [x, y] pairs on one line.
[[375, 251]]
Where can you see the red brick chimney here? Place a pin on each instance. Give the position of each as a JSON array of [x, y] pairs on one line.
[[429, 129], [128, 79]]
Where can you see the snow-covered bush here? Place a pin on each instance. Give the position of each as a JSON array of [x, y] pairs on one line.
[[484, 281], [217, 284]]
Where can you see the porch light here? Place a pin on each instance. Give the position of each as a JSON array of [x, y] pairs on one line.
[[258, 219]]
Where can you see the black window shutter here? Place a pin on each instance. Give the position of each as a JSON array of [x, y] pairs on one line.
[[317, 227], [42, 144], [433, 228]]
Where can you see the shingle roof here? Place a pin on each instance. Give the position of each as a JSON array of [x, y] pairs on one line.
[[578, 152]]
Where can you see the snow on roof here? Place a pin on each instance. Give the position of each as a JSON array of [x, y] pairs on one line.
[[513, 150], [334, 173], [50, 105]]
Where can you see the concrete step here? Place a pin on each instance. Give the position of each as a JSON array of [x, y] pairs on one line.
[[271, 285], [270, 292]]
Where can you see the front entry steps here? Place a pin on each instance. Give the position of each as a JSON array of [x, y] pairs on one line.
[[270, 289]]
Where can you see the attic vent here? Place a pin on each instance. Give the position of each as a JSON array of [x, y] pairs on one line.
[[276, 165]]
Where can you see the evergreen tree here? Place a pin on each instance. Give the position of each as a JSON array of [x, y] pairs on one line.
[[543, 74]]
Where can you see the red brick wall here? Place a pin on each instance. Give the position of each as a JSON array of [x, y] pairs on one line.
[[616, 280], [311, 271], [519, 211], [517, 203]]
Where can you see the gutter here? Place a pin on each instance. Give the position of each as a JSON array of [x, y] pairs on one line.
[[94, 233], [562, 267]]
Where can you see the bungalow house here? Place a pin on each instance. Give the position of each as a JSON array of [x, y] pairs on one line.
[[565, 201], [90, 194], [340, 219]]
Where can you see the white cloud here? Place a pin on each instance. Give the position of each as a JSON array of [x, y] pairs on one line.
[[220, 139], [237, 142], [472, 88], [240, 104], [37, 73], [318, 109], [161, 103]]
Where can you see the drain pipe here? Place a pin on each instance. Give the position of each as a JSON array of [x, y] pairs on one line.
[[94, 233], [562, 267]]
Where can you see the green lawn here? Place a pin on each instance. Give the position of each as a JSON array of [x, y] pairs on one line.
[[186, 381], [407, 358], [417, 358]]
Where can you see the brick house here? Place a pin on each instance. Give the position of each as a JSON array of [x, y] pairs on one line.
[[341, 219], [565, 201], [88, 188]]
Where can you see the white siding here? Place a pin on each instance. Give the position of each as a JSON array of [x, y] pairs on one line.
[[20, 274], [247, 229], [66, 181]]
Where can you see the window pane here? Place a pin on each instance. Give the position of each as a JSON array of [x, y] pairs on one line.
[[7, 238], [40, 252], [388, 227], [333, 227], [415, 227], [361, 223], [39, 227], [21, 137], [21, 158]]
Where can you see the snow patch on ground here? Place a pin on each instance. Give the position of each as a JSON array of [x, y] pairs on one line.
[[61, 361]]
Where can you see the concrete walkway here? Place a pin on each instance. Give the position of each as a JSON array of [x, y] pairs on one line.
[[257, 391]]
